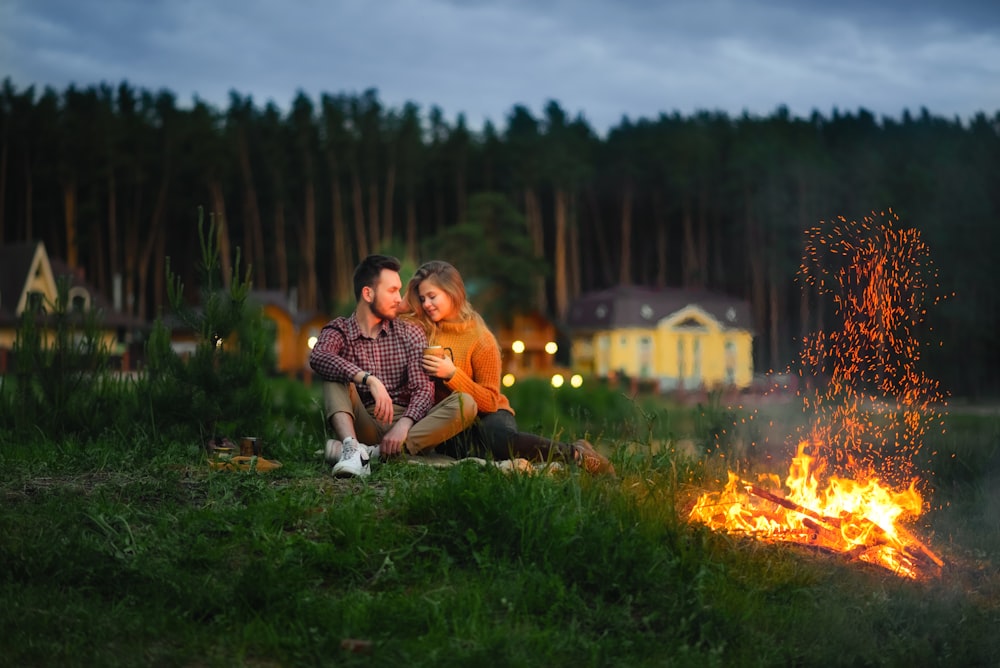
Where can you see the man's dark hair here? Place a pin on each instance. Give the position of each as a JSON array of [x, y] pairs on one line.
[[366, 274]]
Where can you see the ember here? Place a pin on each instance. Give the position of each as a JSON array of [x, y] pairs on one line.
[[851, 485]]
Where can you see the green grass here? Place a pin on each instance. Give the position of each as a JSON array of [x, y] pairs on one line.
[[137, 554]]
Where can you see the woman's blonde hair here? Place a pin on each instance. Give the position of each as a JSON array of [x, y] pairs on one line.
[[447, 278]]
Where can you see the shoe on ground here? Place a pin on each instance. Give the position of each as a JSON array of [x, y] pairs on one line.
[[591, 460], [355, 462], [331, 452]]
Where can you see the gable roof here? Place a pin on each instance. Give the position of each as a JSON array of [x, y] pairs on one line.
[[16, 261], [637, 306]]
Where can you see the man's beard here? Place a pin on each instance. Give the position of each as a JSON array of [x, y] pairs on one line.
[[381, 315]]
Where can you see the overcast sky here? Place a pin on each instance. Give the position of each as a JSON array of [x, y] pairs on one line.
[[604, 59]]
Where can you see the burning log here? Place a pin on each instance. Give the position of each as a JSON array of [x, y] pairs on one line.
[[829, 532]]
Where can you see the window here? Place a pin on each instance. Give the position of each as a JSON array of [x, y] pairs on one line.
[[79, 299]]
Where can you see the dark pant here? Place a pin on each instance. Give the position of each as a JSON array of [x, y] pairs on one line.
[[495, 436]]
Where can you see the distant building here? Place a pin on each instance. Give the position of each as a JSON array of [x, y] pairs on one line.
[[678, 339], [28, 282], [528, 345], [292, 330]]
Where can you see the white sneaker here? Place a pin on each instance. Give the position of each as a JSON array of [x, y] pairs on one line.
[[354, 460]]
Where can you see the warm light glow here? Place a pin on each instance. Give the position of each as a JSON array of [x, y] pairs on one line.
[[218, 343], [508, 379], [517, 347], [576, 380], [312, 342], [870, 410], [551, 347], [558, 380]]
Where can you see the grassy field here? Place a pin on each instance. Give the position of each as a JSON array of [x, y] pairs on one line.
[[139, 554]]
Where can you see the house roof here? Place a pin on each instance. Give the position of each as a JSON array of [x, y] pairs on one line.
[[637, 306], [16, 262]]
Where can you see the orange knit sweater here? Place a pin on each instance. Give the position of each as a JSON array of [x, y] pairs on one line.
[[477, 364]]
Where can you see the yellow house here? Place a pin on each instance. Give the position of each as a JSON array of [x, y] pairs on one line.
[[677, 339], [28, 282]]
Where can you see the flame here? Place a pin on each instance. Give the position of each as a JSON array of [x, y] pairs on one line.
[[871, 407], [862, 520]]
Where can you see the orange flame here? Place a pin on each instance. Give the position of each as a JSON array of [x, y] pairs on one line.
[[860, 378], [859, 519]]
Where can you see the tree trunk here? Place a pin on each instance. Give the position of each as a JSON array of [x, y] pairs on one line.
[[775, 324], [113, 263], [561, 265], [131, 255], [439, 208], [460, 198], [29, 199], [575, 273], [661, 240], [253, 232], [281, 247], [625, 265], [359, 215], [152, 240], [222, 232], [533, 216], [411, 228], [600, 241], [690, 261], [307, 270], [758, 294], [703, 238], [3, 185], [373, 219], [159, 273], [390, 194], [69, 209], [340, 272]]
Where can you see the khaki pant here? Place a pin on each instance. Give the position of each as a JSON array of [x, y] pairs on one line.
[[449, 417]]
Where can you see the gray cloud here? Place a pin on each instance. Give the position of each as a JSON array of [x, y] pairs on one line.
[[601, 58]]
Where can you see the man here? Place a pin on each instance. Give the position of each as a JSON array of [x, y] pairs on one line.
[[375, 390]]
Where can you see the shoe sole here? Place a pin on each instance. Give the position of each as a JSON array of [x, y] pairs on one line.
[[346, 470]]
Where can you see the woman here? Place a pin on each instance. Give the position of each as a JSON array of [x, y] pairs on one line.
[[438, 303]]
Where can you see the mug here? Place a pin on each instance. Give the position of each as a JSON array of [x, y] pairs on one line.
[[249, 446], [438, 351]]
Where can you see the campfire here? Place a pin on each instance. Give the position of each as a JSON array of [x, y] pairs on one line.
[[851, 486], [860, 520]]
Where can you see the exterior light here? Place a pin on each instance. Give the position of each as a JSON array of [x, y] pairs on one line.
[[218, 343], [312, 342], [576, 380], [517, 346], [558, 380], [508, 379], [551, 347]]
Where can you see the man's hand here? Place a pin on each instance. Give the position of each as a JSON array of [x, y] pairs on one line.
[[383, 402], [392, 442]]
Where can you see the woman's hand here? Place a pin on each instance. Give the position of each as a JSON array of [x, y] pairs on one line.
[[439, 367]]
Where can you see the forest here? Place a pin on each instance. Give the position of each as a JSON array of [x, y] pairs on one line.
[[545, 208]]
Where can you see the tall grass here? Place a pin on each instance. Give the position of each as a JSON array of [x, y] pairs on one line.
[[122, 555]]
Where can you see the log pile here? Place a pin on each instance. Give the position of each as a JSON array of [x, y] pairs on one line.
[[903, 553]]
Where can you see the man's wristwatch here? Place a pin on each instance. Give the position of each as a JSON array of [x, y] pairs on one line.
[[364, 380]]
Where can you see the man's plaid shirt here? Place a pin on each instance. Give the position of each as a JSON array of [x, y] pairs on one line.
[[393, 356]]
